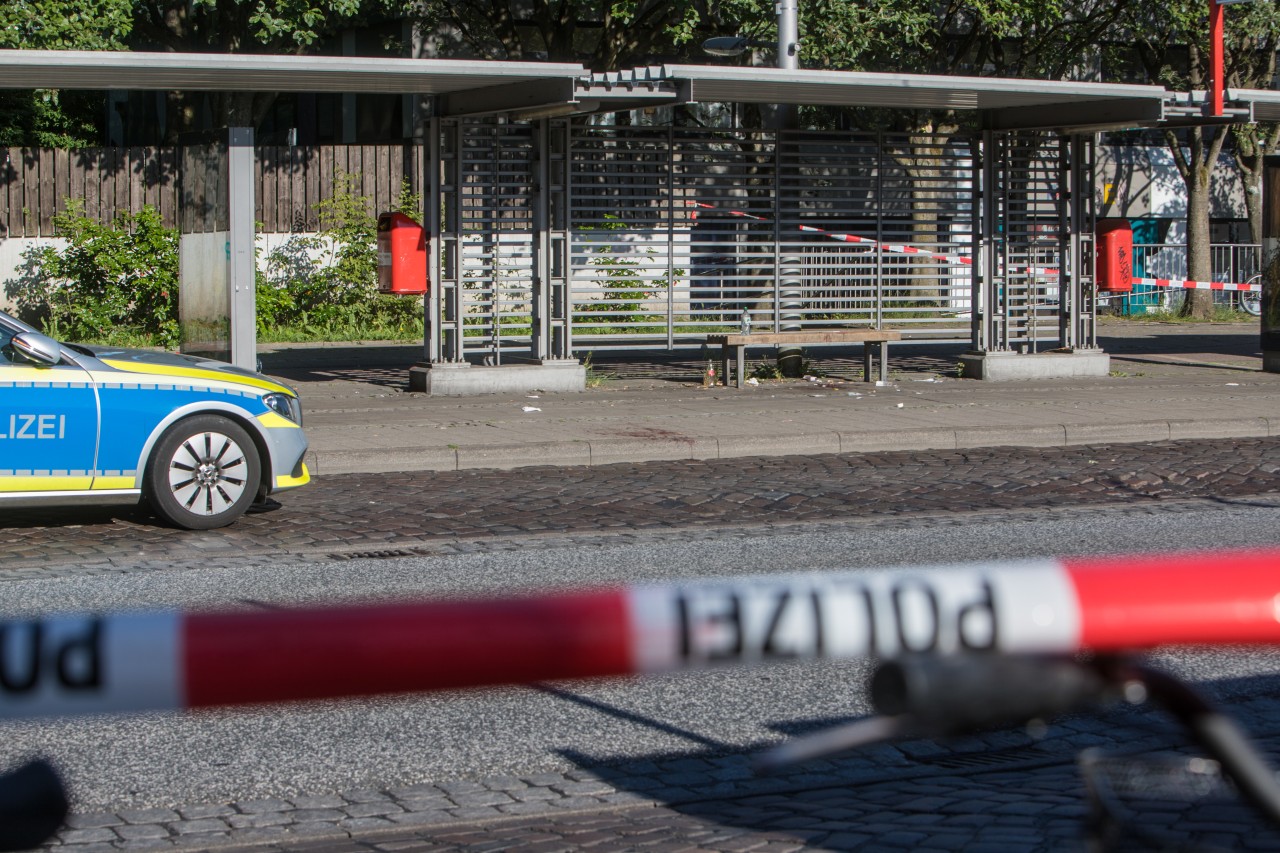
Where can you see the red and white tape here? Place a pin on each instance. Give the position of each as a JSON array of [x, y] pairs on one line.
[[1197, 285], [136, 662], [702, 205], [892, 248]]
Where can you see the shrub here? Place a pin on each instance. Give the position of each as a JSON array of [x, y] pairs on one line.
[[329, 281], [111, 280], [118, 283]]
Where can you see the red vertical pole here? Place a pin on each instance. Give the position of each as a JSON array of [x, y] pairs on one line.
[[1215, 58]]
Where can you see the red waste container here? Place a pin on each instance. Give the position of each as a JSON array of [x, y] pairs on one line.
[[1115, 256], [402, 255]]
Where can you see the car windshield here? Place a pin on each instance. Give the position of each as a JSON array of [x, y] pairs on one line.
[[20, 326]]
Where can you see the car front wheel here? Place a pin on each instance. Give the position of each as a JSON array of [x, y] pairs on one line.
[[204, 473]]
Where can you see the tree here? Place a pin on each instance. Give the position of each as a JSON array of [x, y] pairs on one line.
[[246, 26], [1172, 42], [1252, 143], [48, 118], [603, 35], [1255, 36]]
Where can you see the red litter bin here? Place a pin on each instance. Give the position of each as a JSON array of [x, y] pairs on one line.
[[1115, 256], [402, 255]]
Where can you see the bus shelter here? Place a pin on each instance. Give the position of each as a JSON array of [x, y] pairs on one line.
[[554, 229]]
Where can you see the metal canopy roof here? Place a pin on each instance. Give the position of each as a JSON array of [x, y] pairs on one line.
[[536, 89], [72, 69], [1264, 104], [1006, 103]]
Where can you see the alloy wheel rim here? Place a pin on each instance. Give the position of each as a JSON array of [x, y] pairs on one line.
[[207, 473]]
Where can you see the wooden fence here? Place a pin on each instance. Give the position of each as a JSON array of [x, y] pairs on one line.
[[36, 183]]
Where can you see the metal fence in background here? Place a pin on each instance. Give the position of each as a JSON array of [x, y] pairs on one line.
[[561, 238], [1232, 263]]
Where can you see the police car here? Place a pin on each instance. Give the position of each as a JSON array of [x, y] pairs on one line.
[[200, 440]]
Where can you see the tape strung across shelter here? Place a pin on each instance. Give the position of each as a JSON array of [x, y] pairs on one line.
[[906, 249], [169, 660]]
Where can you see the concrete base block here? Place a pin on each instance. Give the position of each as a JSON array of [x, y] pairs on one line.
[[1270, 361], [467, 380], [1005, 366]]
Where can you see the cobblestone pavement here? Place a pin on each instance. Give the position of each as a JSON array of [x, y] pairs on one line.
[[1001, 791], [421, 513]]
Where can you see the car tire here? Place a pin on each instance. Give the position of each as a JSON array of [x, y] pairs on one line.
[[204, 473]]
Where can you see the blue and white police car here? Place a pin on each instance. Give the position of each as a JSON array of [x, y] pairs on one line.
[[200, 440]]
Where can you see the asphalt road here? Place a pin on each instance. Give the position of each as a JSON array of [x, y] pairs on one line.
[[155, 760], [474, 533]]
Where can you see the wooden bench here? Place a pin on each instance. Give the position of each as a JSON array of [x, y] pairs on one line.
[[738, 343]]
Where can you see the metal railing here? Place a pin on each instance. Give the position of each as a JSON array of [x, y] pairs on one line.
[[1231, 262]]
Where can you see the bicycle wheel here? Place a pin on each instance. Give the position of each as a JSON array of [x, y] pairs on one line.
[[1130, 798], [1251, 300]]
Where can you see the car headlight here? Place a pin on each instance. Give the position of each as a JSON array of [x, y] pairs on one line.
[[284, 405]]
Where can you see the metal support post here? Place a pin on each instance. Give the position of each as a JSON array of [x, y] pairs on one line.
[[1216, 75], [541, 292], [560, 165], [993, 328], [435, 265], [1271, 264], [1084, 328], [446, 336], [241, 267], [1068, 270]]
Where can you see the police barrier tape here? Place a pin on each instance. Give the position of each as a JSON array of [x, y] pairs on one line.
[[168, 660], [892, 248], [905, 249], [1187, 284]]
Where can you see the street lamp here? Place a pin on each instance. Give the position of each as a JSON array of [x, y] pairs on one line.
[[788, 49], [788, 38], [731, 45]]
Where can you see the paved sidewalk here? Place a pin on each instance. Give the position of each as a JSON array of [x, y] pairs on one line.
[[1168, 381], [918, 795]]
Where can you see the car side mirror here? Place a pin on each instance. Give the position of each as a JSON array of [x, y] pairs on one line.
[[37, 348]]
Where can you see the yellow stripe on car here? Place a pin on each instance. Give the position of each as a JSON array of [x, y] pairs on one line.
[[197, 373], [273, 420], [115, 483], [285, 481], [45, 484]]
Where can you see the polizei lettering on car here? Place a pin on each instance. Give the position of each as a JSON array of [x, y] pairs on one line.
[[200, 440]]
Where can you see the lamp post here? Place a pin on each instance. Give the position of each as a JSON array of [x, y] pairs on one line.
[[788, 33], [788, 47], [790, 292], [1217, 81]]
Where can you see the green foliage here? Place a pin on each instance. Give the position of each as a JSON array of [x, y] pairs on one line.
[[120, 278], [118, 283], [326, 285], [604, 36], [65, 24], [282, 26], [47, 118], [625, 289]]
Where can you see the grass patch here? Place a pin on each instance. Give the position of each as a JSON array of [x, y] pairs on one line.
[[1220, 314]]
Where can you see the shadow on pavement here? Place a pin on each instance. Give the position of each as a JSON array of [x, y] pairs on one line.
[[1004, 789]]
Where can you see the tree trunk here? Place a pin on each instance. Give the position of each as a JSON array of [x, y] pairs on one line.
[[1195, 164], [1199, 303]]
